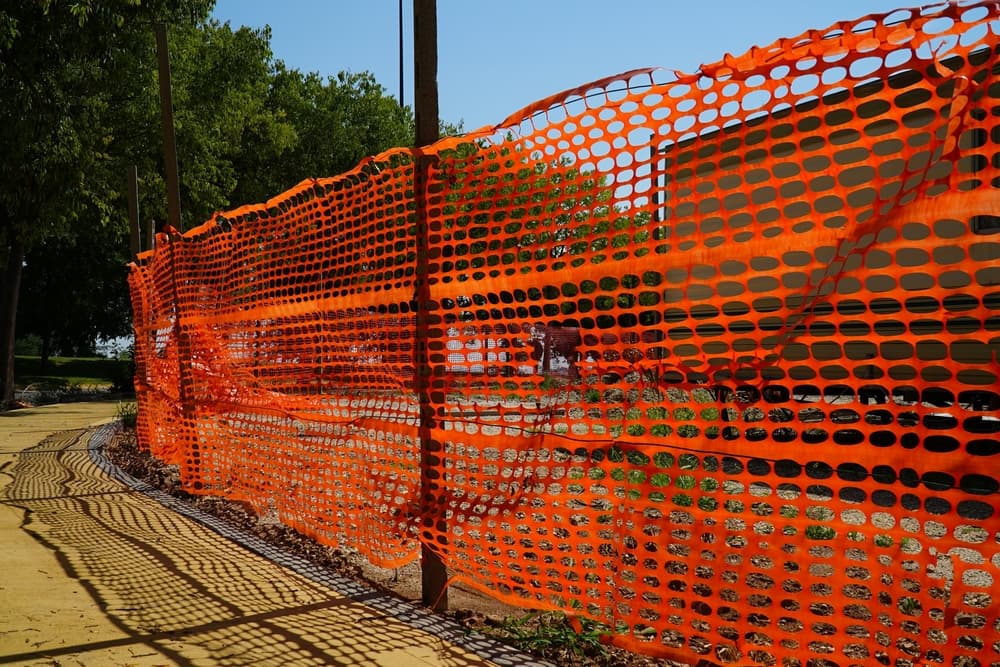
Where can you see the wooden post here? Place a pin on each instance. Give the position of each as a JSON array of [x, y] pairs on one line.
[[169, 140], [434, 576], [425, 108], [173, 216], [135, 243]]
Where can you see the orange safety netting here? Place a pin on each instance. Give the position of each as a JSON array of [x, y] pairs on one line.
[[710, 359]]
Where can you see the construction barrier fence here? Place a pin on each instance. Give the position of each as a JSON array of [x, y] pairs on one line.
[[709, 358]]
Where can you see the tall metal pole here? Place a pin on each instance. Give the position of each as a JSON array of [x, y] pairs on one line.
[[401, 103], [169, 140], [434, 576]]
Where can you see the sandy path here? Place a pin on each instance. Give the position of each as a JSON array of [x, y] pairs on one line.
[[94, 573]]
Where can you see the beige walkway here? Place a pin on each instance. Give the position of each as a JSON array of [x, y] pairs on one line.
[[94, 573]]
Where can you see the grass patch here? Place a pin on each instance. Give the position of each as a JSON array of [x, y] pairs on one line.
[[65, 372]]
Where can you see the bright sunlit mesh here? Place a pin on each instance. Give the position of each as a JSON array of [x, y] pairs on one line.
[[712, 360]]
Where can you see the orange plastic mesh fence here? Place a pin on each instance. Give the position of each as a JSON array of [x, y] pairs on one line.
[[711, 360]]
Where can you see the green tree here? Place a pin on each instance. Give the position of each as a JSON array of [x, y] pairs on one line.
[[61, 67], [219, 78], [221, 82], [74, 284], [74, 291], [247, 128], [336, 122]]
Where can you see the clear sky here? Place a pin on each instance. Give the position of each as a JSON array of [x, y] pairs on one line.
[[496, 57]]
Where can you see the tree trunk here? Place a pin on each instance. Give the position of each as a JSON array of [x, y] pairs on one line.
[[9, 293]]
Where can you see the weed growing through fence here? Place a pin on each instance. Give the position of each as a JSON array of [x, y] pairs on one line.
[[128, 413], [550, 633], [883, 541], [814, 532], [550, 383], [909, 606]]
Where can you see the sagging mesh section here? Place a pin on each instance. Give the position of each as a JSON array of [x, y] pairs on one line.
[[711, 360]]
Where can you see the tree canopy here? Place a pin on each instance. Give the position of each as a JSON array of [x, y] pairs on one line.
[[79, 104]]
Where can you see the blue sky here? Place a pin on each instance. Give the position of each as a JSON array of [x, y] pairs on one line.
[[496, 57]]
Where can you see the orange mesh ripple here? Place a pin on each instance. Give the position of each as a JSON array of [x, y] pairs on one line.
[[711, 358]]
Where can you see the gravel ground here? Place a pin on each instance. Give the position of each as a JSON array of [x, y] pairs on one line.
[[546, 636]]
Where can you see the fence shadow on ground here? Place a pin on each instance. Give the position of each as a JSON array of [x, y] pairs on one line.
[[188, 593]]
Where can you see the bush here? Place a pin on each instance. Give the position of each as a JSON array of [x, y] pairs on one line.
[[124, 380], [28, 345]]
